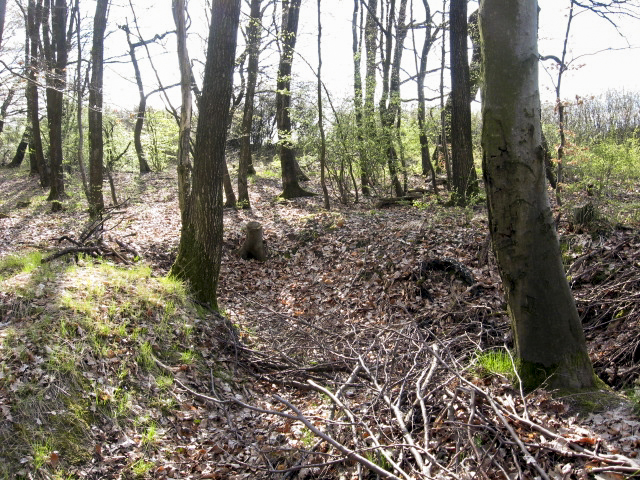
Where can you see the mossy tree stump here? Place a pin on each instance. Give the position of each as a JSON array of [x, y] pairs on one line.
[[253, 246]]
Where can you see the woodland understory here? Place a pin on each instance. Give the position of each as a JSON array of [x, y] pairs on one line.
[[364, 337]]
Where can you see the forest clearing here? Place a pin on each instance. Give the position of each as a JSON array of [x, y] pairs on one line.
[[106, 368]]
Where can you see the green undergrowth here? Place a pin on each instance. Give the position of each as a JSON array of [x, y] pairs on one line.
[[78, 349], [495, 362]]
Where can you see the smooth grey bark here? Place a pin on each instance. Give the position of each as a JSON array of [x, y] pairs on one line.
[[200, 249], [245, 166], [323, 141], [290, 186], [550, 343], [370, 81], [79, 109], [184, 145], [96, 143]]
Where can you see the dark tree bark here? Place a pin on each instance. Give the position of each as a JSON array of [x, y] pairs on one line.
[[96, 145], [34, 21], [550, 343], [184, 145], [461, 142], [254, 35], [290, 186], [3, 10], [142, 105], [22, 148], [54, 38], [200, 249]]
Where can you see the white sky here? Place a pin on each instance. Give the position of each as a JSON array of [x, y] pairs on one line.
[[590, 34]]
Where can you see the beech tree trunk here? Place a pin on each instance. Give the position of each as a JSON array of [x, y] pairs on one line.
[[200, 249], [550, 343], [96, 144], [461, 143], [290, 186], [184, 144], [254, 35], [369, 122]]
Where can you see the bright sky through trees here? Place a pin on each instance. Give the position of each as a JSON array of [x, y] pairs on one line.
[[594, 70]]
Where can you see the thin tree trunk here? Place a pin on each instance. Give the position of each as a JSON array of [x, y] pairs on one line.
[[55, 50], [184, 145], [369, 122], [550, 343], [5, 106], [96, 144], [290, 186], [200, 249], [427, 166], [323, 142], [254, 35], [3, 10], [79, 92], [34, 21], [21, 150], [142, 105], [461, 142]]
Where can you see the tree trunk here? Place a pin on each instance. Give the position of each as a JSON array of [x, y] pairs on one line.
[[230, 197], [96, 145], [80, 94], [461, 142], [290, 186], [427, 166], [369, 122], [390, 100], [323, 141], [22, 148], [55, 50], [34, 21], [254, 35], [142, 105], [3, 10], [184, 144], [5, 106], [548, 334], [200, 249]]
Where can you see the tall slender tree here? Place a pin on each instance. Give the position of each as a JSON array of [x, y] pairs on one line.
[[56, 48], [461, 142], [550, 343], [96, 145], [323, 141], [254, 35], [200, 249], [289, 31], [184, 144], [34, 21]]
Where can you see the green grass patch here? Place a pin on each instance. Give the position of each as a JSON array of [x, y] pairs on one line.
[[495, 362]]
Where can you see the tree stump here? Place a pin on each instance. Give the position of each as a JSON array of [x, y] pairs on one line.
[[253, 246]]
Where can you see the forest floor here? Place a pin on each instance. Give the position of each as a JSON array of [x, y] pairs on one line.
[[370, 334]]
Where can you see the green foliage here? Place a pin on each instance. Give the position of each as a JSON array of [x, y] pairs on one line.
[[608, 159], [495, 362], [160, 138]]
